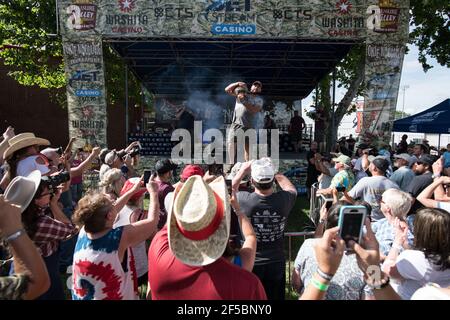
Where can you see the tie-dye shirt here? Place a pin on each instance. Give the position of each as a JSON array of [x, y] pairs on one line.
[[98, 274]]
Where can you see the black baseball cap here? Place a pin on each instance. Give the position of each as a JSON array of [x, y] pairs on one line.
[[426, 159], [381, 164], [164, 166]]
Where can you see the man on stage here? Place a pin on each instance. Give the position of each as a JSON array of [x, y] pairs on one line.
[[248, 104]]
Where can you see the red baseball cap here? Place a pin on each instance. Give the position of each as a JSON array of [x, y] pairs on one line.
[[192, 170], [130, 184]]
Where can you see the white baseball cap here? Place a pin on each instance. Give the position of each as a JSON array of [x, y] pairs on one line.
[[262, 170]]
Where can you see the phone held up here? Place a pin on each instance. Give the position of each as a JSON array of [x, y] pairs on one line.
[[147, 175], [351, 223]]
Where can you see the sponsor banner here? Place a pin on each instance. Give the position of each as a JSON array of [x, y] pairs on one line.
[[385, 50], [86, 92], [341, 19], [233, 29]]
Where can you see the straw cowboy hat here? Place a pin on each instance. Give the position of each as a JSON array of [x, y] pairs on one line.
[[21, 190], [23, 140], [199, 221]]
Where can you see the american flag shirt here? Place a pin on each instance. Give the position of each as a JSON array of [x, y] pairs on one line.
[[50, 232]]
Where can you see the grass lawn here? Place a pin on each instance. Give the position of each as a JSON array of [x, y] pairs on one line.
[[298, 221]]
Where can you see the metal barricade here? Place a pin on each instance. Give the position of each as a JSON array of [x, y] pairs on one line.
[[316, 202], [290, 235]]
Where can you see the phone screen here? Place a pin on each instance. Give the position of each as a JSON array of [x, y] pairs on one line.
[[351, 223], [147, 175]]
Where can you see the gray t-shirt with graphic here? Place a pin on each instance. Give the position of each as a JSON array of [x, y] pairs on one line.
[[268, 215], [244, 117]]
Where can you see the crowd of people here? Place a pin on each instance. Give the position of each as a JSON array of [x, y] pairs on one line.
[[407, 195], [216, 235]]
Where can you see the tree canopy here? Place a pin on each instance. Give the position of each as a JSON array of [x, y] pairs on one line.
[[30, 45]]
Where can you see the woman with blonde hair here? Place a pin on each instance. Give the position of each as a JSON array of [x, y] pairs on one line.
[[112, 182]]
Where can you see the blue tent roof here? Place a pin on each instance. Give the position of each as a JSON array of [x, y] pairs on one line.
[[433, 120]]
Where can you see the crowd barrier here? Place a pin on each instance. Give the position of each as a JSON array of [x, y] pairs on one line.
[[290, 235], [315, 203]]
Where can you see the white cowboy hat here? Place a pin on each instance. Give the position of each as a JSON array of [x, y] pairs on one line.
[[21, 190], [199, 221], [23, 140]]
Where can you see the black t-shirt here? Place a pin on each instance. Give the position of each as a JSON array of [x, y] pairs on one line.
[[268, 215], [186, 121], [402, 147], [312, 172], [417, 185]]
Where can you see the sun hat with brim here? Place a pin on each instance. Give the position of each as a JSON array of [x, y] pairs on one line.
[[23, 140], [199, 221], [342, 159], [21, 190]]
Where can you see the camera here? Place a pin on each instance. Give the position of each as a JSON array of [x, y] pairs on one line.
[[54, 181], [134, 152]]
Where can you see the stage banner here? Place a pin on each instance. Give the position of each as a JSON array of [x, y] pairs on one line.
[[387, 35], [86, 94], [312, 19]]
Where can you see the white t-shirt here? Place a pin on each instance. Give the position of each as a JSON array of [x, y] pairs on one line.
[[29, 164], [417, 271], [139, 250], [431, 291], [444, 205]]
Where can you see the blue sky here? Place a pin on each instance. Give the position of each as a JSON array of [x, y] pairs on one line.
[[425, 89]]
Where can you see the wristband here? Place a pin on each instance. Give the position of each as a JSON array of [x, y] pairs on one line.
[[15, 235], [397, 247], [324, 275], [319, 285]]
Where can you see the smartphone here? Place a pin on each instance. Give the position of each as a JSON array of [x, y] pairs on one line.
[[147, 175], [328, 204], [351, 222], [228, 182]]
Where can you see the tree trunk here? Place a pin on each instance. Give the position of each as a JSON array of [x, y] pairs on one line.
[[343, 105]]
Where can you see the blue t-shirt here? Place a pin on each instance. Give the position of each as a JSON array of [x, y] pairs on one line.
[[447, 159]]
